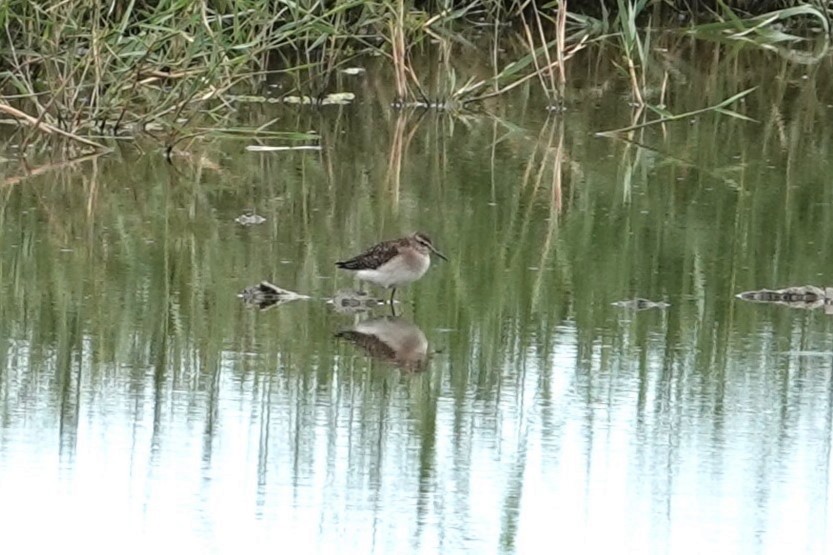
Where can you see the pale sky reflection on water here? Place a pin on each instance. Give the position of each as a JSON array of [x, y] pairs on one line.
[[144, 408], [569, 473]]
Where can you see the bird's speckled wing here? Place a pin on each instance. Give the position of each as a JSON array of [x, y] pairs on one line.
[[372, 258]]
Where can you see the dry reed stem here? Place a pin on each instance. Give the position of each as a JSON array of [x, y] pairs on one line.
[[552, 90], [637, 94], [531, 45], [561, 18], [719, 107], [567, 55], [47, 128], [399, 53]]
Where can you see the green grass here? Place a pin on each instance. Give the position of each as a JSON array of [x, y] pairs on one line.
[[170, 70]]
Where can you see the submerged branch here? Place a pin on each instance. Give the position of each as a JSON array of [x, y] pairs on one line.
[[719, 108]]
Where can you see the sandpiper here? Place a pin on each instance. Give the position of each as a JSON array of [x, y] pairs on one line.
[[394, 263]]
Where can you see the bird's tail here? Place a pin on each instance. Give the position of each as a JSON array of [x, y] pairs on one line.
[[348, 264]]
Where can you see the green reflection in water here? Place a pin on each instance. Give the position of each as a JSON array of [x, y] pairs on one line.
[[132, 373]]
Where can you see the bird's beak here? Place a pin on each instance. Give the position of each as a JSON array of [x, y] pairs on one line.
[[438, 253]]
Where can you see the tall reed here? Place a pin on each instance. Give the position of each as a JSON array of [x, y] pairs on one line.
[[172, 70]]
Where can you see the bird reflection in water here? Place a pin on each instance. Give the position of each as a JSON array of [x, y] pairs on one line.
[[392, 340]]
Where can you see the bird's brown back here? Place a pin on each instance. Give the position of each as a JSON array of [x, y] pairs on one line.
[[375, 256]]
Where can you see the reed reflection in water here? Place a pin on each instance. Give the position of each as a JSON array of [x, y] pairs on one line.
[[143, 407]]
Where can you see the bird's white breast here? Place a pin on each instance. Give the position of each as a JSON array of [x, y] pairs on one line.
[[400, 270]]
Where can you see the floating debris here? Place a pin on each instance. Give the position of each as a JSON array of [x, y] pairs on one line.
[[353, 70], [803, 296], [249, 219], [347, 301], [255, 99], [392, 340], [265, 295], [641, 304], [448, 106], [268, 148], [338, 98], [334, 98]]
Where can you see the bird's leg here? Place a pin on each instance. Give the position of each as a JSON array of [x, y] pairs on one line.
[[392, 293]]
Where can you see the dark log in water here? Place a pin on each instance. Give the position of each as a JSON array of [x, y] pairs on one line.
[[265, 295], [803, 296]]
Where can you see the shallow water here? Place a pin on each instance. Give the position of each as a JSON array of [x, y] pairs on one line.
[[144, 406]]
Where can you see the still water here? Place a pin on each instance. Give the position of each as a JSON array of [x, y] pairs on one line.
[[144, 407]]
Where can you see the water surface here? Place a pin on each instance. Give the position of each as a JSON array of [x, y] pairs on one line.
[[144, 407]]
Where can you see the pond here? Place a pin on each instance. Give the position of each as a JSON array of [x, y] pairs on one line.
[[144, 406]]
